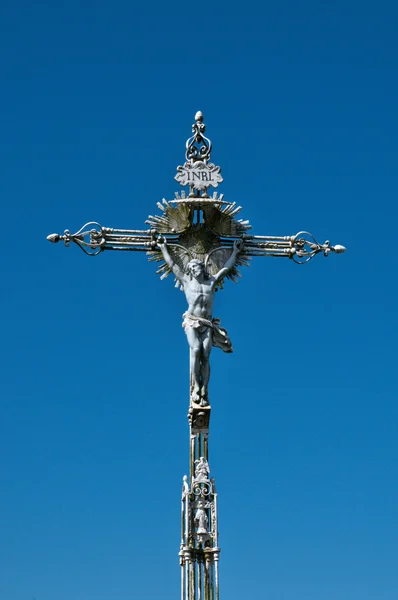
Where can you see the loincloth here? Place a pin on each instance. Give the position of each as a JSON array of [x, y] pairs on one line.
[[220, 336]]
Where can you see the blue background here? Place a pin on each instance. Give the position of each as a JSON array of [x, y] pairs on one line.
[[300, 101]]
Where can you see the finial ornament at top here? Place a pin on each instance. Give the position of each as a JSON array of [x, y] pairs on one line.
[[198, 172], [198, 146]]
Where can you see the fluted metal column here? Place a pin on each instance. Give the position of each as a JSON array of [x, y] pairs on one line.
[[199, 519]]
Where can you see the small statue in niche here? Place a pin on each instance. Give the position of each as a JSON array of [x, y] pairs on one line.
[[201, 519], [202, 469]]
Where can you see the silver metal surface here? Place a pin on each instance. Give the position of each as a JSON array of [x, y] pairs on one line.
[[198, 147], [201, 241]]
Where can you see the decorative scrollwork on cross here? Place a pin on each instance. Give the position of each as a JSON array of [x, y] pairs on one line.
[[305, 247], [202, 489], [89, 238], [198, 147]]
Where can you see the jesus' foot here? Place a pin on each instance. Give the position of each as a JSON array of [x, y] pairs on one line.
[[203, 396], [195, 396]]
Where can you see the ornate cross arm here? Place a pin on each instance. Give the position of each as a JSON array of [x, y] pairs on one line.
[[301, 247], [93, 239]]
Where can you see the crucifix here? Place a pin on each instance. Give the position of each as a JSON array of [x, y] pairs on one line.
[[199, 239]]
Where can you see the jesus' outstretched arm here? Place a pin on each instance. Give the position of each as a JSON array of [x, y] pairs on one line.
[[179, 273], [238, 246]]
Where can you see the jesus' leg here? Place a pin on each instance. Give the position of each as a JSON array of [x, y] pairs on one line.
[[207, 344], [195, 362]]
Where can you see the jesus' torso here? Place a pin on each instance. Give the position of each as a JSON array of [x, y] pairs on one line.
[[200, 297]]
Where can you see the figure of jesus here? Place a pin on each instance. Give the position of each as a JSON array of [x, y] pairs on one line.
[[203, 332]]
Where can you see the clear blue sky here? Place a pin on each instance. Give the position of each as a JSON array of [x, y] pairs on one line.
[[300, 101]]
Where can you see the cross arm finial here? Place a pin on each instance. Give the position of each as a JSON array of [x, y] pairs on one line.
[[301, 248], [92, 238]]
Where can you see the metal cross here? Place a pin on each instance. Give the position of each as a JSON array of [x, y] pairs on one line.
[[198, 238]]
